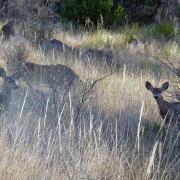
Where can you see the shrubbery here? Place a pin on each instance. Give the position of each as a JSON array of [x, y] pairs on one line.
[[164, 30], [142, 11], [94, 11], [109, 12]]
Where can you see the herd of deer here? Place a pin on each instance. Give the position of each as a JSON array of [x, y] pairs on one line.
[[30, 72]]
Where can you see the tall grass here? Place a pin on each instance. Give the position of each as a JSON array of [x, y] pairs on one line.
[[64, 152], [117, 135]]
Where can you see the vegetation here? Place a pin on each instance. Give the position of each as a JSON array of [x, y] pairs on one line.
[[164, 30], [92, 11], [110, 144], [118, 132], [144, 11], [109, 11]]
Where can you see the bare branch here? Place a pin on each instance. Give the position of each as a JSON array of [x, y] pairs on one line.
[[166, 62], [86, 93]]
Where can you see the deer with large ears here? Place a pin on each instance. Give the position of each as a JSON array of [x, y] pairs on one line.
[[8, 85], [170, 111]]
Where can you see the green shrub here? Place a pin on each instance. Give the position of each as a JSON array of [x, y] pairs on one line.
[[97, 11], [144, 11], [164, 30], [141, 11]]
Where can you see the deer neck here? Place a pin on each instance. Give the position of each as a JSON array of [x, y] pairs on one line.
[[163, 106], [6, 94]]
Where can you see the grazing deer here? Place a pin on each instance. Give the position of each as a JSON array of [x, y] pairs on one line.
[[8, 85], [170, 111], [51, 75]]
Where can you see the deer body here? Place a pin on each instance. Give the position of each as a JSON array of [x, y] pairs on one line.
[[170, 111], [48, 85], [8, 85], [51, 75], [5, 97]]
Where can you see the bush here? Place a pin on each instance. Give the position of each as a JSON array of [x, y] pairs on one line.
[[144, 11], [164, 30], [141, 11], [113, 12], [97, 11]]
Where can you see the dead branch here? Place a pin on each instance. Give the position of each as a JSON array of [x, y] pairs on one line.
[[86, 93], [166, 62], [176, 70]]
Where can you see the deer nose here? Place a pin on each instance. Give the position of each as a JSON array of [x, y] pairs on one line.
[[156, 96]]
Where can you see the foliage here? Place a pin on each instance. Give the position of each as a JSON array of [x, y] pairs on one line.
[[164, 30], [109, 39], [100, 39], [110, 12], [95, 11], [132, 33], [143, 11]]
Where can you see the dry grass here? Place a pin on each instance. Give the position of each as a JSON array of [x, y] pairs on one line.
[[116, 137]]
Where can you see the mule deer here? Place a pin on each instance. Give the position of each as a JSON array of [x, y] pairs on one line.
[[51, 75], [170, 111], [8, 85]]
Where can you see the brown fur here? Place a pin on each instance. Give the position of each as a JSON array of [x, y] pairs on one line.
[[170, 111]]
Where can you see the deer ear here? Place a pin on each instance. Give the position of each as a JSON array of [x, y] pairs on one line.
[[148, 85], [165, 86]]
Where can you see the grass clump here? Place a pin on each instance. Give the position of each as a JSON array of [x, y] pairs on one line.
[[164, 30], [170, 50], [132, 33], [108, 39], [100, 39]]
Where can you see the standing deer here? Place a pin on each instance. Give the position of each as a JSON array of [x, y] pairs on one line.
[[170, 111], [8, 85]]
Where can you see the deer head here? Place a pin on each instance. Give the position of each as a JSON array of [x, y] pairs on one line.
[[157, 91]]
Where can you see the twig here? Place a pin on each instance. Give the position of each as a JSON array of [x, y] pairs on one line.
[[168, 64], [86, 93]]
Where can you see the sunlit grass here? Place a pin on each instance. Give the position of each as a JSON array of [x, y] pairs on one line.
[[117, 134]]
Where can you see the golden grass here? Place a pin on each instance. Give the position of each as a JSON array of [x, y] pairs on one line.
[[111, 142]]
